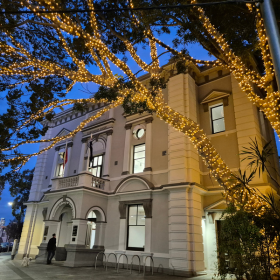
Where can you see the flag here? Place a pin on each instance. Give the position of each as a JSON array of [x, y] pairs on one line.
[[65, 156], [90, 150]]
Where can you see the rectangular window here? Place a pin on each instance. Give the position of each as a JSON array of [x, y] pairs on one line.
[[96, 166], [60, 170], [136, 228], [217, 119], [138, 158]]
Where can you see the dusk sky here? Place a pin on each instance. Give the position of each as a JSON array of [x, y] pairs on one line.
[[195, 50]]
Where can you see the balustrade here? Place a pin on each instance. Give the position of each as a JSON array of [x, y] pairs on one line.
[[84, 179]]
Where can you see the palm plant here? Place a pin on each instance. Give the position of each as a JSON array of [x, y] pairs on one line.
[[259, 160], [241, 186]]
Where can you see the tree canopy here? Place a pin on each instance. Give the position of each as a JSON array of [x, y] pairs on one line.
[[46, 52]]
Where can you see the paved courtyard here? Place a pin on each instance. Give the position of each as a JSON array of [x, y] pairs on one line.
[[12, 270]]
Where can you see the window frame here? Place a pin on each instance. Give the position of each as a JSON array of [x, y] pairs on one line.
[[212, 121], [58, 166], [127, 234], [96, 166], [133, 158]]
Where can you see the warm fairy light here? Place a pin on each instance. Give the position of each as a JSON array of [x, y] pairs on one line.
[[34, 68]]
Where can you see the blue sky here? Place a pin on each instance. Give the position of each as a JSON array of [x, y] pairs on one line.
[[195, 50]]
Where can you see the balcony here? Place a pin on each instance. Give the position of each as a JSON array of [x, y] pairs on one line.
[[84, 179]]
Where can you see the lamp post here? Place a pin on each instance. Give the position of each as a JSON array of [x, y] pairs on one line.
[[272, 32]]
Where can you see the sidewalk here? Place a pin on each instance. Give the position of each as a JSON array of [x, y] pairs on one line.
[[12, 270]]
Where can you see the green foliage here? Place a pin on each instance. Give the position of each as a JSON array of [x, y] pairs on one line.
[[249, 243], [130, 107], [245, 245], [14, 229], [20, 184]]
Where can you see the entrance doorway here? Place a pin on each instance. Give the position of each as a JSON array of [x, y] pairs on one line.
[[65, 227]]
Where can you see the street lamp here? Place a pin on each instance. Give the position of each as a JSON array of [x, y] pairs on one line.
[[10, 203]]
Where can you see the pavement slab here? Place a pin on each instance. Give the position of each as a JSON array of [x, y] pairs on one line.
[[12, 270]]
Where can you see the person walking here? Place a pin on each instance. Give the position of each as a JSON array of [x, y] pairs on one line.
[[51, 248]]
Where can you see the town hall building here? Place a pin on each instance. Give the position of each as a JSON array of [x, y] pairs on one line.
[[146, 191]]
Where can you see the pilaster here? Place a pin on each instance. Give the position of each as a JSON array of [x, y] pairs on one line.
[[185, 232], [247, 123], [35, 191], [82, 156], [126, 155], [183, 158], [148, 145], [107, 158]]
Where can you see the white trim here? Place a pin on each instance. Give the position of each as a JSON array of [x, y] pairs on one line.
[[100, 210], [210, 114], [61, 202], [138, 119], [212, 80], [221, 133], [211, 206], [139, 174], [130, 179]]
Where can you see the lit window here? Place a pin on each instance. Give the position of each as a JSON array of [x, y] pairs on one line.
[[96, 166], [60, 170], [136, 228], [139, 158], [217, 119]]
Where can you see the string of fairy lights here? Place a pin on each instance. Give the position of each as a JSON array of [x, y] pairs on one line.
[[65, 26]]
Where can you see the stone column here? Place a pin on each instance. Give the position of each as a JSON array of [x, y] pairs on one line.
[[148, 145], [107, 157], [99, 235], [66, 171], [54, 165], [82, 156], [127, 148]]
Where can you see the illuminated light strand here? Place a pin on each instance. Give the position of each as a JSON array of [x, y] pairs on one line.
[[211, 158]]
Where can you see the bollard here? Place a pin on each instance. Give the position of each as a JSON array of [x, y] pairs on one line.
[[14, 249]]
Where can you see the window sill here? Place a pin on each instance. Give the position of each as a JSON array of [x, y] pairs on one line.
[[223, 133]]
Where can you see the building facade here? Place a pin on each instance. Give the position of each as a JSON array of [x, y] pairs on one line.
[[146, 191]]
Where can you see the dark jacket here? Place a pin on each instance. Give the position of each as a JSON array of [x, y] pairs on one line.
[[51, 244]]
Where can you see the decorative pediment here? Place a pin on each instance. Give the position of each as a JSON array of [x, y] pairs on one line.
[[134, 183], [215, 95], [218, 205], [63, 132]]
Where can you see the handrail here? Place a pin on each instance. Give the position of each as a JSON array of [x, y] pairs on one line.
[[119, 261], [108, 260], [160, 265], [132, 263], [102, 252], [145, 265]]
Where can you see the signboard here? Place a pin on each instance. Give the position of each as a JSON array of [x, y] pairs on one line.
[[75, 231]]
